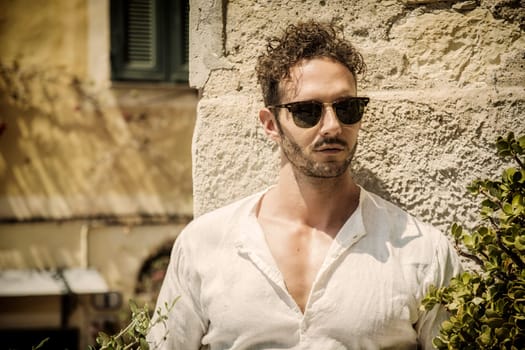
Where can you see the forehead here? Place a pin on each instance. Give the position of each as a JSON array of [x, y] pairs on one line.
[[320, 79]]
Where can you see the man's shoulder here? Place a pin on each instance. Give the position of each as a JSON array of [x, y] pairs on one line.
[[381, 212], [411, 239], [381, 206], [217, 222], [235, 209]]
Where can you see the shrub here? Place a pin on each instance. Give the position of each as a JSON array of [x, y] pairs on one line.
[[487, 304], [133, 336]]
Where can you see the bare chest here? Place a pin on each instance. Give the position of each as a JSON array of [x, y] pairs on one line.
[[299, 253]]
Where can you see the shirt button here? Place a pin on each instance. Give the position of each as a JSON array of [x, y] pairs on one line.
[[303, 327]]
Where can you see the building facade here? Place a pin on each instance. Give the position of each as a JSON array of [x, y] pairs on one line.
[[96, 124]]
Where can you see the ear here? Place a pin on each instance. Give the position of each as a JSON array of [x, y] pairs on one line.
[[269, 124]]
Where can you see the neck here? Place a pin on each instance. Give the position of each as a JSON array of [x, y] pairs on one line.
[[323, 203]]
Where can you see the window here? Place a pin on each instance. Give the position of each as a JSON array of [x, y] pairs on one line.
[[149, 40]]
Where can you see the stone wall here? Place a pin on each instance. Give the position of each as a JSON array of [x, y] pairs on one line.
[[445, 78]]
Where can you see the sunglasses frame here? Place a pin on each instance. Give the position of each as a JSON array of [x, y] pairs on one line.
[[289, 106]]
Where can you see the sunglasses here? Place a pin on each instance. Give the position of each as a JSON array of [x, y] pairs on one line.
[[306, 114]]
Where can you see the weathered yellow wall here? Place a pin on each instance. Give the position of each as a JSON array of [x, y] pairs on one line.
[[73, 157], [77, 150], [73, 149], [51, 33]]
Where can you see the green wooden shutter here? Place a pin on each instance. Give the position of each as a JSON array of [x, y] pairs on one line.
[[149, 40], [179, 40], [138, 31]]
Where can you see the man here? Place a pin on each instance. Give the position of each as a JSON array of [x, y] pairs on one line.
[[315, 261]]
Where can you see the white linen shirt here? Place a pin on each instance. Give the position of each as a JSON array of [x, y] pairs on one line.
[[366, 295]]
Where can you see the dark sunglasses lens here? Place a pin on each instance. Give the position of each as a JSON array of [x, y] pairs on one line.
[[306, 114], [349, 111]]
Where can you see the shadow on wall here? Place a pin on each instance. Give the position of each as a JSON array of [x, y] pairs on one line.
[[369, 180], [69, 148]]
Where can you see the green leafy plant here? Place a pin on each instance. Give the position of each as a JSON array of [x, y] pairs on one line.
[[487, 304], [133, 336]]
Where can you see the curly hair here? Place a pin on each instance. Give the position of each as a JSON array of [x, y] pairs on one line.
[[304, 40]]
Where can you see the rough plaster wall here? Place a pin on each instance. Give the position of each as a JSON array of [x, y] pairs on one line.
[[445, 78]]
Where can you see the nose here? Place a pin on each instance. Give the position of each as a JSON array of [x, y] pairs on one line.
[[330, 125]]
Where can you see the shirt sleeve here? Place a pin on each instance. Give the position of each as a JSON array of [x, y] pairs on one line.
[[185, 324], [444, 266]]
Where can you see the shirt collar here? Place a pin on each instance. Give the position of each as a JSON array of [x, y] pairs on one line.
[[250, 233], [353, 229]]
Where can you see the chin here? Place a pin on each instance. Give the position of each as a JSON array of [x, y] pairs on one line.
[[328, 171]]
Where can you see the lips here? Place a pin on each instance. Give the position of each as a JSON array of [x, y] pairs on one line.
[[330, 143], [330, 148]]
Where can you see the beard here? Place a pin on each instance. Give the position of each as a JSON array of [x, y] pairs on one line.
[[308, 166]]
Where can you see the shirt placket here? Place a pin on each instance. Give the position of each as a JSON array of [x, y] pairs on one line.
[[351, 232], [253, 247], [319, 284]]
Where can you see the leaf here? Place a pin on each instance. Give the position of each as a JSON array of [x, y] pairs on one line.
[[501, 145], [457, 231], [144, 345], [102, 338], [494, 191], [519, 244], [484, 338], [517, 200], [468, 240], [478, 300], [507, 209], [439, 344], [40, 344], [447, 326], [483, 230], [521, 142], [494, 322], [508, 241], [508, 174], [516, 148], [133, 306], [465, 277]]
